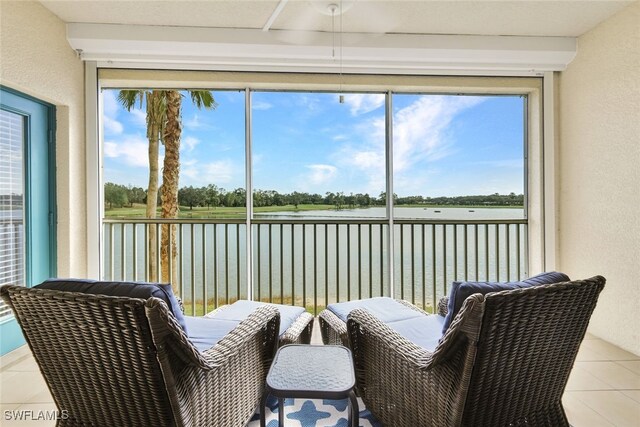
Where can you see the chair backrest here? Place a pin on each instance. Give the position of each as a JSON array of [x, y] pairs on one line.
[[96, 354], [528, 342]]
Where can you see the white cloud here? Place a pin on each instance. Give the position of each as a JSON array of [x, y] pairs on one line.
[[421, 136], [130, 149], [139, 117], [502, 164], [362, 103], [218, 172], [261, 105], [112, 126], [193, 122], [420, 131], [321, 174], [364, 162], [189, 143], [110, 110], [110, 105], [312, 104], [369, 160]]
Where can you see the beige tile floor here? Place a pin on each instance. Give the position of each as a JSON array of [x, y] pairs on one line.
[[603, 390]]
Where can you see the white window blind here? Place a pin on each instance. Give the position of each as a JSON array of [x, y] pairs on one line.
[[11, 202]]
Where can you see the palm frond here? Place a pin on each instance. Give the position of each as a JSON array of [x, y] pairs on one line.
[[128, 98], [203, 98]]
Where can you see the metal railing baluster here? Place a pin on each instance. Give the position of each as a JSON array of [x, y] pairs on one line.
[[348, 262], [497, 262], [359, 261], [315, 268], [424, 268], [134, 252], [293, 266], [193, 270], [507, 251], [216, 295], [432, 258], [433, 264], [401, 272], [304, 266], [326, 265], [281, 264], [270, 252], [204, 269], [226, 263], [486, 251], [123, 262]]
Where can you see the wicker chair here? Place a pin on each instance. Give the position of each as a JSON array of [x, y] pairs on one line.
[[504, 361], [119, 361]]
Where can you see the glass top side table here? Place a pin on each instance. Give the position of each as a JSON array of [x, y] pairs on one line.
[[311, 372]]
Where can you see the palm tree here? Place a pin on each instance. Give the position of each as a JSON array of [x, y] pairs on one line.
[[171, 175], [156, 119]]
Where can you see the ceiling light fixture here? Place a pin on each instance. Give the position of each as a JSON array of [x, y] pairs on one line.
[[333, 9]]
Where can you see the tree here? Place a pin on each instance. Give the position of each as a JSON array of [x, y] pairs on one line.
[[212, 195], [189, 196], [136, 195], [171, 176], [115, 195], [156, 118]]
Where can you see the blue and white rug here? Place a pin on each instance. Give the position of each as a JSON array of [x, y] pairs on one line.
[[314, 413]]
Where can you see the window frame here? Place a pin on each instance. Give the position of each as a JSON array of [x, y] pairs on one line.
[[539, 182]]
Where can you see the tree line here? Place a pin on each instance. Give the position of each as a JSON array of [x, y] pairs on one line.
[[212, 196]]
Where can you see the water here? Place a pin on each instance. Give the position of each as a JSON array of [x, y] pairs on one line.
[[470, 213], [313, 264]]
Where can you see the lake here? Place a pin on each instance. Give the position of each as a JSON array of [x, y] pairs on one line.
[[319, 263]]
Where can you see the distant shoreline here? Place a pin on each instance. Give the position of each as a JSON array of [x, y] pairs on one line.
[[138, 210]]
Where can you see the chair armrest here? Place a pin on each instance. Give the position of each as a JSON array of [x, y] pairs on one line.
[[167, 332], [333, 329], [363, 325], [300, 331], [235, 341], [228, 393], [443, 306]]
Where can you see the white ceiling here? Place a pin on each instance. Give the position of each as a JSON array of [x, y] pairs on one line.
[[517, 18]]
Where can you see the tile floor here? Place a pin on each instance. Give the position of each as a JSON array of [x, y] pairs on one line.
[[603, 390]]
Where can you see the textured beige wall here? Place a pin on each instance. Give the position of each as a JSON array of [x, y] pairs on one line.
[[599, 172], [36, 59]]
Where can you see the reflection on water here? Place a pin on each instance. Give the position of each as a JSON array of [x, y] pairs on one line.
[[469, 213], [315, 264]]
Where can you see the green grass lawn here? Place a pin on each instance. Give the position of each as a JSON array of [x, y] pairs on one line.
[[138, 211]]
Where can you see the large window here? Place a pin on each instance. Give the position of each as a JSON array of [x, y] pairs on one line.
[[315, 156], [459, 151], [211, 154], [321, 165], [458, 176]]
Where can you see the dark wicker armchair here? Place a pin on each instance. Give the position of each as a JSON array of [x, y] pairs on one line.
[[504, 361], [119, 361]]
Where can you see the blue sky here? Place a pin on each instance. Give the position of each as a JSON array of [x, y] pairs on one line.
[[443, 144]]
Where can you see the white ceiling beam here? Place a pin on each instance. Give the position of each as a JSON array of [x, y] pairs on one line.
[[363, 53], [274, 15]]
